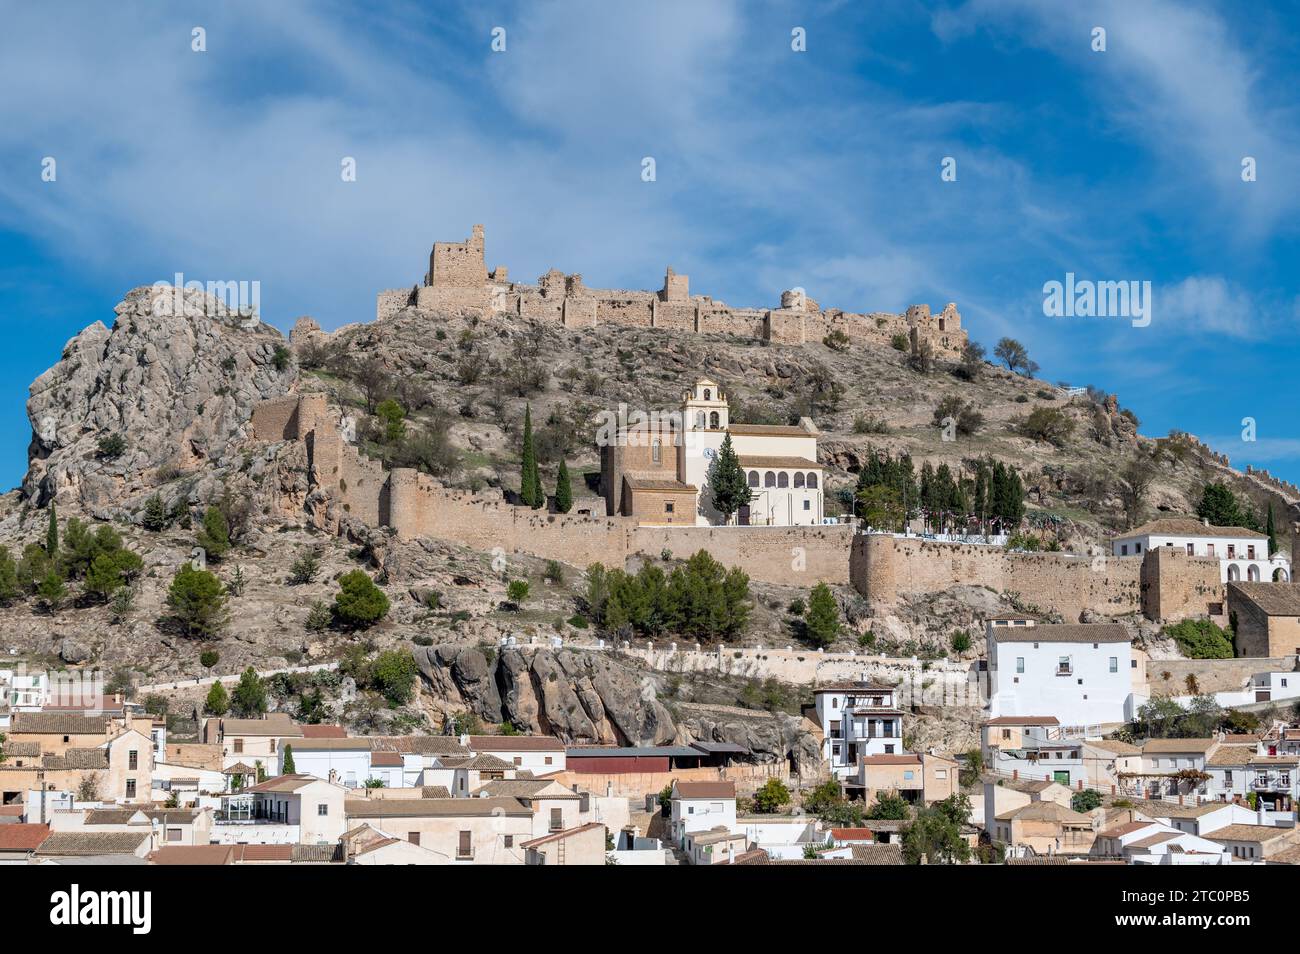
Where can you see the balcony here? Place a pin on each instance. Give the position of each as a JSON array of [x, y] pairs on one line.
[[1065, 670]]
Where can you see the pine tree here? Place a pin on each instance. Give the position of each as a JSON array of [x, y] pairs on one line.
[[530, 479], [564, 491], [727, 480], [52, 534], [822, 621], [214, 535], [155, 514], [218, 701]]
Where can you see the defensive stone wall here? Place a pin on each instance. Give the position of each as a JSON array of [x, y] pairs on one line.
[[1163, 584], [458, 280]]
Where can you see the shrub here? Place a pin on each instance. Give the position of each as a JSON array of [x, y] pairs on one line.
[[319, 616], [304, 568], [280, 357], [393, 675], [1049, 424], [209, 658], [1086, 800], [577, 621], [111, 446], [900, 342], [837, 340], [517, 592], [214, 534], [796, 607], [554, 572], [199, 601], [771, 797], [359, 602], [1201, 639], [869, 425], [960, 641]]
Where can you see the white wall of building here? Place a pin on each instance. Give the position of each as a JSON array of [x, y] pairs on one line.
[[1079, 684]]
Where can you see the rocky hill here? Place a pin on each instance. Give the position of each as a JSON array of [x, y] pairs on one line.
[[158, 406]]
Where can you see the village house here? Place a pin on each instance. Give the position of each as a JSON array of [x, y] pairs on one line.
[[483, 831], [539, 754], [1044, 828], [1242, 554], [919, 779], [700, 806], [1032, 747], [287, 809], [583, 845], [555, 808], [857, 719], [95, 756], [1105, 761], [1196, 819], [18, 842], [105, 846], [1156, 843], [1240, 773], [658, 470], [713, 846], [253, 741], [1267, 618], [1172, 767], [1081, 673], [1002, 796], [1256, 843]]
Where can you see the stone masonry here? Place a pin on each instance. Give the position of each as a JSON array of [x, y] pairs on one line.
[[458, 280]]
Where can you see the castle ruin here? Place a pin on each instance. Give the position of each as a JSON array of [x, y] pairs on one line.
[[458, 280]]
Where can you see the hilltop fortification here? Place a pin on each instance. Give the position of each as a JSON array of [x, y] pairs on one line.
[[458, 280]]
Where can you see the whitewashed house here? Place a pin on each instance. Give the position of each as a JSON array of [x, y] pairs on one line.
[[539, 754], [857, 719], [1081, 673], [1031, 747], [1242, 554], [1158, 843], [700, 807]]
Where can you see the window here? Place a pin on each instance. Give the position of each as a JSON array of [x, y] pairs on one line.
[[509, 840], [133, 761], [783, 479], [1006, 733], [557, 821], [708, 394], [1232, 551], [889, 750], [1209, 549], [322, 809], [1227, 778], [753, 478], [656, 451], [239, 745], [668, 506], [1137, 548], [548, 760], [798, 480], [713, 420], [1191, 549], [464, 847], [907, 775], [1063, 665], [941, 773], [807, 505], [174, 834], [812, 481], [1020, 664], [130, 788], [769, 479], [413, 837], [1123, 550], [1114, 664], [1250, 552]]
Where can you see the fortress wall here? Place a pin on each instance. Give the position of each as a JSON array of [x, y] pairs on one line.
[[797, 556], [1212, 675], [1177, 586], [276, 420], [675, 316], [390, 301], [629, 312], [885, 567], [533, 306]]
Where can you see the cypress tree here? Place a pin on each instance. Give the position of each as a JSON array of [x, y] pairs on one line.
[[727, 480], [52, 535], [288, 768], [564, 490], [530, 480], [1271, 530]]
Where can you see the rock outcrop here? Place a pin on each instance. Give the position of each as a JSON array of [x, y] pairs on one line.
[[174, 381], [591, 698]]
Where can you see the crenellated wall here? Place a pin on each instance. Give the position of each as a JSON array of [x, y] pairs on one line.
[[458, 280]]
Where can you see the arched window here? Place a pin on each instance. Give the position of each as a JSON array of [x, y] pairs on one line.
[[1234, 572], [753, 478], [708, 395], [1253, 573], [798, 479], [656, 451], [783, 479], [769, 479], [713, 420], [812, 481], [699, 419], [1279, 576]]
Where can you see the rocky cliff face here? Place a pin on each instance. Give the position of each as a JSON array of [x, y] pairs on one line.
[[595, 698], [176, 377]]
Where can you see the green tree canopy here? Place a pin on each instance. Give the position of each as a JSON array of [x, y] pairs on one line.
[[727, 481], [359, 602], [821, 623], [199, 601], [218, 701], [249, 698], [563, 489], [214, 535]]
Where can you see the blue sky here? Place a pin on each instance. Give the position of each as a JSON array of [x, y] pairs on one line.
[[775, 169]]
